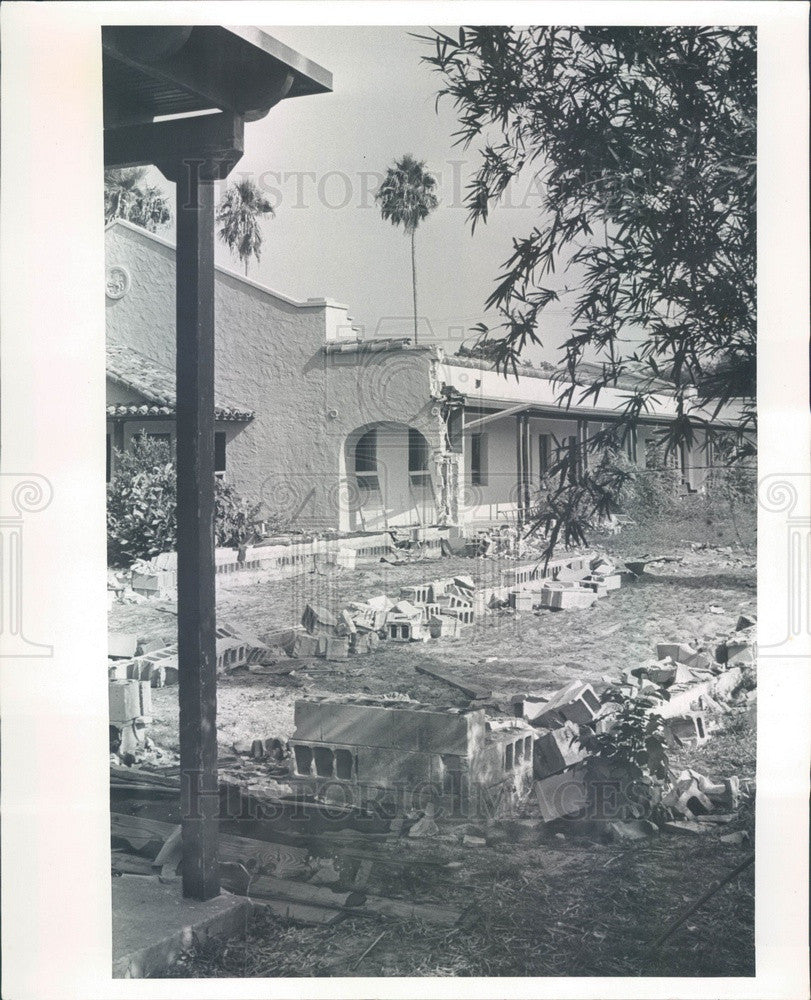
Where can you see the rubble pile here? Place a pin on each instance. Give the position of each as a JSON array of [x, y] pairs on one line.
[[442, 609]]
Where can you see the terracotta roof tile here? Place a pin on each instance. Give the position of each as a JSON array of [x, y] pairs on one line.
[[156, 383]]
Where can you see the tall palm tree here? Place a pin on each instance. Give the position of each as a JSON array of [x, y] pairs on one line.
[[239, 214], [406, 197], [126, 196]]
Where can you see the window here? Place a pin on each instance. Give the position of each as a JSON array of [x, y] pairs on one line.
[[366, 452], [417, 451], [478, 459], [418, 471], [543, 454], [219, 453]]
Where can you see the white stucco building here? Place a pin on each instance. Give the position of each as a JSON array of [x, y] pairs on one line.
[[329, 430]]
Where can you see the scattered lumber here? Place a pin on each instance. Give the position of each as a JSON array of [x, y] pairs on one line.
[[124, 863], [301, 913], [170, 855], [138, 775], [255, 855], [401, 909], [269, 887], [138, 831], [134, 786], [471, 691]]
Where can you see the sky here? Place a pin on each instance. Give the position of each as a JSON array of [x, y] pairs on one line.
[[320, 159]]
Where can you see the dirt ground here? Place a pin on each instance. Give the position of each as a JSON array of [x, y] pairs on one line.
[[560, 904]]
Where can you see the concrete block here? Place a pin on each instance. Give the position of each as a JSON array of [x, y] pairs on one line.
[[462, 613], [701, 661], [374, 726], [401, 628], [596, 585], [575, 703], [319, 621], [688, 728], [557, 749], [337, 647], [380, 605], [346, 625], [129, 699], [561, 794], [444, 626], [360, 643], [121, 645], [562, 596], [522, 600], [420, 594], [678, 651], [305, 646]]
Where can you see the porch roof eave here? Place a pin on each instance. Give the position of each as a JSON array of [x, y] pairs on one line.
[[492, 408]]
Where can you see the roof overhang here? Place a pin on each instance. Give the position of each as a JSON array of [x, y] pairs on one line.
[[162, 70]]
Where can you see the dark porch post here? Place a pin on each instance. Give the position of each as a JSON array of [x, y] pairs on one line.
[[195, 529], [526, 465], [519, 465]]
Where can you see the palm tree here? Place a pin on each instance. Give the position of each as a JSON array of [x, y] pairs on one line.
[[127, 197], [239, 214], [406, 197]]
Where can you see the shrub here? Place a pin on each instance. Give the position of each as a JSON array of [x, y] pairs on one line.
[[142, 502], [235, 519], [633, 750]]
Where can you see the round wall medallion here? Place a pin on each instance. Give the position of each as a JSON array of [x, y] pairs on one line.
[[118, 282]]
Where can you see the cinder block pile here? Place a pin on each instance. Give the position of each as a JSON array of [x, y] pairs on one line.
[[154, 660], [558, 755]]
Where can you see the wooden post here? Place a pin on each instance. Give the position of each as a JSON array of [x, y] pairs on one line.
[[526, 465], [519, 475], [197, 661]]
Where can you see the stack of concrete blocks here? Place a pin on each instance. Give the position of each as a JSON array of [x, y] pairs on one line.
[[558, 754], [130, 710], [405, 750], [155, 577], [159, 667], [565, 595]]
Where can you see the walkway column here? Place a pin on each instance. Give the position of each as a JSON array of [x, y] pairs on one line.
[[519, 467], [196, 615], [195, 177]]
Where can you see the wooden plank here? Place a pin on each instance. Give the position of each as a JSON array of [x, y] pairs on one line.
[[130, 864], [470, 690], [138, 831], [219, 136], [142, 776], [301, 913], [268, 887], [254, 855], [401, 909]]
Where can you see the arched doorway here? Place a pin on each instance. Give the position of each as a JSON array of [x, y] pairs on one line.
[[388, 473]]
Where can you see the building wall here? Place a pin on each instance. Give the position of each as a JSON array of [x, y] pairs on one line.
[[270, 358]]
